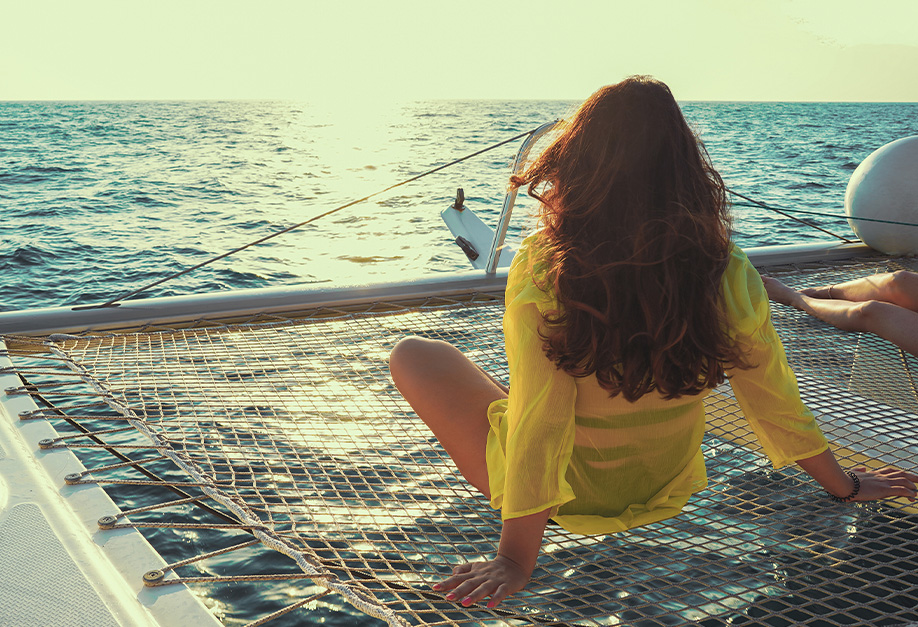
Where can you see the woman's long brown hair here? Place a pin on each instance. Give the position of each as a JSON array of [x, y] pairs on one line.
[[636, 237]]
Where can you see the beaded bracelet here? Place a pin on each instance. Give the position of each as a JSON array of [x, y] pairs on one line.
[[850, 497]]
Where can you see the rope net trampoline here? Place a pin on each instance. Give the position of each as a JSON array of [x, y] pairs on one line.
[[295, 428]]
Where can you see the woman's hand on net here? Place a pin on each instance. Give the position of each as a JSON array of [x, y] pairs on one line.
[[497, 578], [884, 483]]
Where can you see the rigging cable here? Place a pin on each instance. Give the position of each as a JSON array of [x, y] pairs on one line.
[[787, 215], [823, 214], [127, 295]]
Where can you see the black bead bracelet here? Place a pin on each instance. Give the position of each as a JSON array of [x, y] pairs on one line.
[[850, 497]]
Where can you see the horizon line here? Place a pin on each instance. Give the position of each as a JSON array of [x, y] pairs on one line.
[[440, 99]]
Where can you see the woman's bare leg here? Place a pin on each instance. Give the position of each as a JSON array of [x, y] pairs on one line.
[[899, 288], [451, 395], [896, 324]]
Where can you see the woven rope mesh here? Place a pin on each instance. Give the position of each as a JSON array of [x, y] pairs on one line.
[[298, 425]]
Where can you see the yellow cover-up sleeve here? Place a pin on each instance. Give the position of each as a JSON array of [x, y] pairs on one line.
[[767, 392], [538, 434]]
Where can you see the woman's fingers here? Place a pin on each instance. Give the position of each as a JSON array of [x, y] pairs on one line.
[[460, 574], [499, 595], [908, 493], [475, 595], [906, 476], [893, 472], [898, 477], [887, 482], [497, 591], [451, 582], [461, 584], [471, 591], [906, 487], [462, 568]]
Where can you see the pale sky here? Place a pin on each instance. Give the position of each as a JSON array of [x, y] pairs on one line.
[[363, 50]]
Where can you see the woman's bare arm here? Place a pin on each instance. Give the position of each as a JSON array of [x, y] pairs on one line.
[[874, 484]]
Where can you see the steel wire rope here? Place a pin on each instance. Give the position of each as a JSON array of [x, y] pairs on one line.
[[823, 214], [787, 215], [127, 295]]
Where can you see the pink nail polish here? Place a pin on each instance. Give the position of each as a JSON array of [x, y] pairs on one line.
[[451, 596], [467, 601]]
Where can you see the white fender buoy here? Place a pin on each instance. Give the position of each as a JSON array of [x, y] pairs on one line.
[[885, 187]]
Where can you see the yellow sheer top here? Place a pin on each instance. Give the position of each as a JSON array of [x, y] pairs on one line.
[[605, 464]]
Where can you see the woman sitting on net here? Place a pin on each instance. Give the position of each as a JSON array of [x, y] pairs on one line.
[[883, 304], [622, 313]]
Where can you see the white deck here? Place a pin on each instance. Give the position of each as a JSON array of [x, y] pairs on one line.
[[56, 567]]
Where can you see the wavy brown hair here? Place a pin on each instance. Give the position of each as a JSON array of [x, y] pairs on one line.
[[636, 237]]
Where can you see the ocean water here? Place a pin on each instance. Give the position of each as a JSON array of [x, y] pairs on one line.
[[100, 198]]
